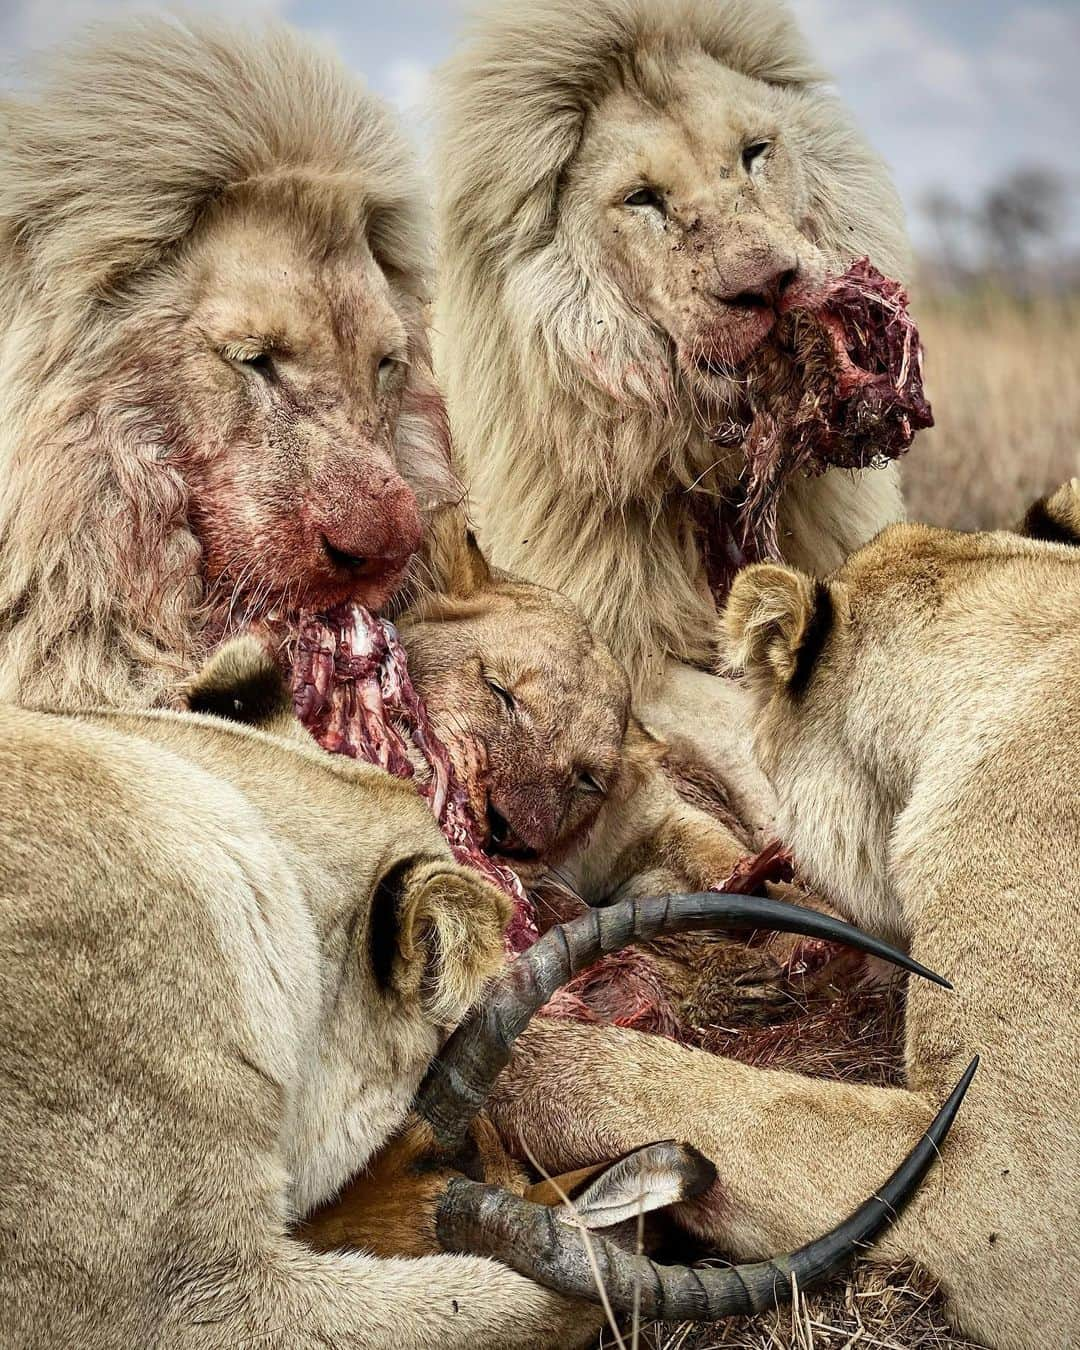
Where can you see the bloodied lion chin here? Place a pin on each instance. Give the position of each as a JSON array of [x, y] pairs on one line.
[[721, 350], [300, 561]]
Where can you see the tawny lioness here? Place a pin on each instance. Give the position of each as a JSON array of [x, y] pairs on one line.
[[573, 792], [226, 959], [918, 717]]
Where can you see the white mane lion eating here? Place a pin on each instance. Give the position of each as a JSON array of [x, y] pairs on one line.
[[632, 194]]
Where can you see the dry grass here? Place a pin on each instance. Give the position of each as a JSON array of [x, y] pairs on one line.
[[877, 1309], [1004, 379]]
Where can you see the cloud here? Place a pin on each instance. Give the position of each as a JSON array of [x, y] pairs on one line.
[[31, 25], [889, 48], [954, 101], [407, 84]]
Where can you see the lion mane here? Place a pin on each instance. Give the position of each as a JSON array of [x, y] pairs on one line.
[[582, 460], [111, 155]]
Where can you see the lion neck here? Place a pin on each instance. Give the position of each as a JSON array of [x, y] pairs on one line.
[[607, 500]]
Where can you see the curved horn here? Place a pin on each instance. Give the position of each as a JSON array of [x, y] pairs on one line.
[[548, 1245], [460, 1079]]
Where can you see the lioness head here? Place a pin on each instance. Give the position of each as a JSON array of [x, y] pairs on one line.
[[433, 929], [921, 644], [532, 708]]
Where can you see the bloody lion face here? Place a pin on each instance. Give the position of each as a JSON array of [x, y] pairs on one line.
[[289, 374]]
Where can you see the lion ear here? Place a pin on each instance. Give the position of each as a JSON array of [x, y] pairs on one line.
[[436, 936], [242, 682], [455, 556], [777, 621], [467, 568], [1055, 519]]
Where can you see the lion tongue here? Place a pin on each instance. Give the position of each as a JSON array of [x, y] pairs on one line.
[[352, 690]]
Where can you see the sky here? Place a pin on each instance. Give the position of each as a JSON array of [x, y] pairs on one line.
[[954, 93]]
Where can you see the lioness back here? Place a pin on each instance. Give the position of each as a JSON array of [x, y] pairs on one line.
[[118, 994]]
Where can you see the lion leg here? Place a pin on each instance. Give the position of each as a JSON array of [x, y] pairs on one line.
[[794, 1155], [296, 1299]]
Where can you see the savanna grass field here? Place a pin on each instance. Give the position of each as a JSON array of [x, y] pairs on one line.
[[1003, 373]]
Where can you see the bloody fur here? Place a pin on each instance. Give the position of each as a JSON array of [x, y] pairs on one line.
[[352, 690], [838, 385]]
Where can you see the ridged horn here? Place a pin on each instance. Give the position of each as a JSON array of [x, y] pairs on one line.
[[546, 1245], [461, 1077]]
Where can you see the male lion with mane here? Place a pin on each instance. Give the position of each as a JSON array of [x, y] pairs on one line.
[[628, 189], [217, 395]]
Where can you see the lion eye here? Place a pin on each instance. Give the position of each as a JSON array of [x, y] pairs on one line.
[[390, 365], [587, 783], [753, 153], [504, 695], [645, 196], [262, 362]]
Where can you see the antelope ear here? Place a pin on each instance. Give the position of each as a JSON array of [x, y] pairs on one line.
[[242, 683], [650, 1178], [447, 925], [777, 621], [1055, 518]]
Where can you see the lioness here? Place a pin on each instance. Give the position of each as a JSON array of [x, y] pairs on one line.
[[226, 959], [918, 716], [536, 714]]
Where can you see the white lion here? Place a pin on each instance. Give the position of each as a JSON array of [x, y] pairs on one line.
[[625, 189], [217, 398]]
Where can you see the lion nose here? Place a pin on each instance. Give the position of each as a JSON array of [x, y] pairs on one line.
[[764, 291], [363, 566], [367, 529], [518, 828]]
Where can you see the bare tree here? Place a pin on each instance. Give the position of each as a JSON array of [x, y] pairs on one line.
[[1020, 214]]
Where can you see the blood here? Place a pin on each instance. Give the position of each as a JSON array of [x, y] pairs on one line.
[[838, 385], [352, 690]]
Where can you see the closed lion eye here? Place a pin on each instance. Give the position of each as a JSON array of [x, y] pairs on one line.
[[263, 362], [587, 782], [645, 196], [256, 359], [503, 694], [391, 369]]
